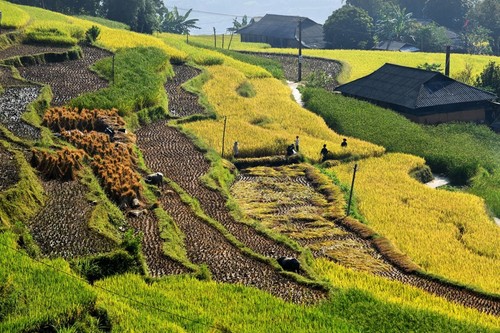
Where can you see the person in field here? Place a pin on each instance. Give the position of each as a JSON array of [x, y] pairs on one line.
[[236, 149], [344, 143], [297, 143], [324, 152]]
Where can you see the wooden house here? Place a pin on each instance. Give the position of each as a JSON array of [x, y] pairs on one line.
[[423, 96], [283, 32]]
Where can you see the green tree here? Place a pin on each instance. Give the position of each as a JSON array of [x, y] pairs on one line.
[[487, 14], [489, 79], [349, 28], [449, 13], [477, 40], [173, 22], [372, 7], [416, 7], [238, 25], [123, 11], [429, 37], [394, 24]]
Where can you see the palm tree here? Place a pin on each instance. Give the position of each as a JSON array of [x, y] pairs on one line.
[[175, 23], [394, 23]]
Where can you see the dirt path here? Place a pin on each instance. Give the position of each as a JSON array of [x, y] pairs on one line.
[[68, 79], [61, 227]]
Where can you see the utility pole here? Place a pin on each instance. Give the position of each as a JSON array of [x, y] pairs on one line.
[[113, 69], [300, 50], [352, 189], [230, 40], [223, 136], [215, 39]]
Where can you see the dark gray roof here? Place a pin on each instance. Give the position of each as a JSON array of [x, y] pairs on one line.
[[287, 27], [392, 45], [412, 88]]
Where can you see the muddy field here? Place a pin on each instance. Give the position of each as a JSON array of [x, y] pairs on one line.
[[9, 173], [68, 79], [182, 103], [61, 227], [13, 103], [25, 49]]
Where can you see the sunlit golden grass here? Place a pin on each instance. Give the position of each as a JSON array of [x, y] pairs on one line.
[[267, 123], [447, 233], [109, 38], [206, 57], [399, 294], [13, 16], [231, 43]]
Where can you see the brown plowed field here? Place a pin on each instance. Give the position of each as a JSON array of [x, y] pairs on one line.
[[68, 79], [61, 227], [25, 49], [7, 80], [206, 245], [350, 250], [167, 150], [9, 173], [182, 103], [309, 65], [13, 103], [152, 246]]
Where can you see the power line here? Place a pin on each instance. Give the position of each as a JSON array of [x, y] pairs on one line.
[[205, 12], [148, 306]]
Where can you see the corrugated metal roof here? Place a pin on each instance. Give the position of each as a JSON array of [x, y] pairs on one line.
[[412, 88]]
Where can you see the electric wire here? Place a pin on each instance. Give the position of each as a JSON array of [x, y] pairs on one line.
[[148, 306]]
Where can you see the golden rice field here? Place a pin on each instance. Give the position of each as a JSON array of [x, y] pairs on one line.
[[399, 294], [268, 122], [206, 57], [447, 233], [111, 39], [13, 16], [358, 63]]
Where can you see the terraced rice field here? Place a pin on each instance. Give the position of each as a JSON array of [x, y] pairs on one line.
[[338, 243], [13, 103], [26, 49], [68, 79], [9, 174], [61, 227]]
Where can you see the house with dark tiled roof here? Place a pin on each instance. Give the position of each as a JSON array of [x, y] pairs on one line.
[[283, 32], [423, 96], [392, 45]]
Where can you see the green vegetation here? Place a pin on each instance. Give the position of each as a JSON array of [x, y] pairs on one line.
[[459, 150], [13, 17], [272, 66], [184, 304], [23, 200], [137, 83], [35, 296]]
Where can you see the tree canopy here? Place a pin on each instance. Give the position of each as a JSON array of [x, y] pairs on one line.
[[349, 27]]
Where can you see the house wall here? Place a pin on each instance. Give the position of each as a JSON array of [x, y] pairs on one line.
[[274, 42], [478, 115]]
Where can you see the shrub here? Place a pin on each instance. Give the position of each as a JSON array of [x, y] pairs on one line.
[[92, 34]]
